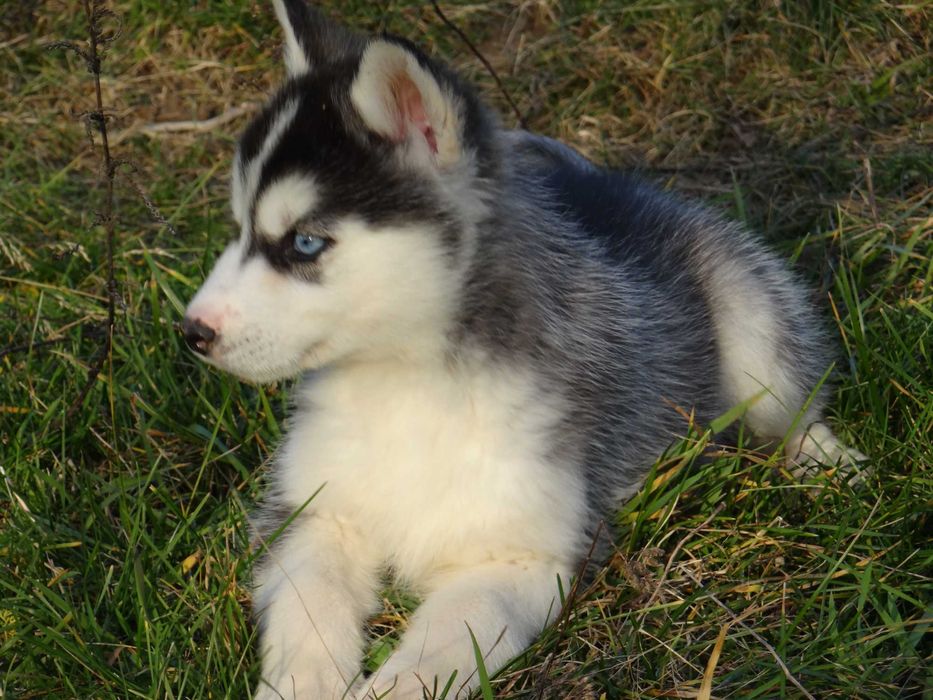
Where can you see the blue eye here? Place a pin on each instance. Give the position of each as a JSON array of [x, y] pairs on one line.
[[308, 246]]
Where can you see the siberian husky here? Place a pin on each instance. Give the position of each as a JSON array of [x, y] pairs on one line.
[[498, 339]]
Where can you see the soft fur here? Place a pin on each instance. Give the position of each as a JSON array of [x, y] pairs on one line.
[[498, 341]]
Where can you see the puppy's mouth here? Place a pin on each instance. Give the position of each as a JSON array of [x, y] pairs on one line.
[[256, 361]]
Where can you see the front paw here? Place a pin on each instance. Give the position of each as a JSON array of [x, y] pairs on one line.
[[302, 686], [818, 448], [408, 685]]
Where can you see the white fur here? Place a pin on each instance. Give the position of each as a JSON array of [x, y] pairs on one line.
[[390, 421], [296, 61], [283, 203], [243, 191], [237, 200], [313, 597], [751, 369], [505, 605], [752, 372], [487, 431], [487, 547], [233, 297], [378, 290]]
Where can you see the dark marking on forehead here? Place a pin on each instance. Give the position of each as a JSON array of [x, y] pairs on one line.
[[357, 170], [258, 130]]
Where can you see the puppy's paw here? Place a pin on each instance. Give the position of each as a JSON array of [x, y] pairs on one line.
[[303, 686], [818, 448], [407, 685]]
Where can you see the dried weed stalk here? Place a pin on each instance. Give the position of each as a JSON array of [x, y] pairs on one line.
[[96, 120], [476, 52]]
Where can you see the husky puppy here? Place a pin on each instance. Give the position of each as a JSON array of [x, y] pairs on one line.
[[498, 339]]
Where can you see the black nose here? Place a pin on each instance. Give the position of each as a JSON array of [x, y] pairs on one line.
[[198, 336]]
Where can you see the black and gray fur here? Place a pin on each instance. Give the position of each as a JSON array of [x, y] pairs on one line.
[[596, 278]]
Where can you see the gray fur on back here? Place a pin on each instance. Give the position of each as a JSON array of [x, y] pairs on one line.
[[620, 330]]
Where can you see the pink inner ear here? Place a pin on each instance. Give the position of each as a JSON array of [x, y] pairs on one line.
[[411, 111]]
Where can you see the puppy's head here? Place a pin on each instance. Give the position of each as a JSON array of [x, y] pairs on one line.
[[356, 192]]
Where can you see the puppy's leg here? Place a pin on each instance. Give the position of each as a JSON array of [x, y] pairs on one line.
[[773, 356], [314, 590], [504, 604]]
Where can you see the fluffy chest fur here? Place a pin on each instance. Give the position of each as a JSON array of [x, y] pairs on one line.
[[433, 464]]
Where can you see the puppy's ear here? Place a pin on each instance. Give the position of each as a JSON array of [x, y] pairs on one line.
[[312, 39], [402, 100]]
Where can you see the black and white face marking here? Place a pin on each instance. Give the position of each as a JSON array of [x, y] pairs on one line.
[[339, 249], [303, 161], [298, 252], [286, 228], [351, 190]]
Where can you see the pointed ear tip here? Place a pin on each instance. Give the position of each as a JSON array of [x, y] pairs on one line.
[[388, 44], [379, 45], [383, 56], [281, 10]]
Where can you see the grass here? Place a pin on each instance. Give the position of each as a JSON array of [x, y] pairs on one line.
[[124, 568]]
